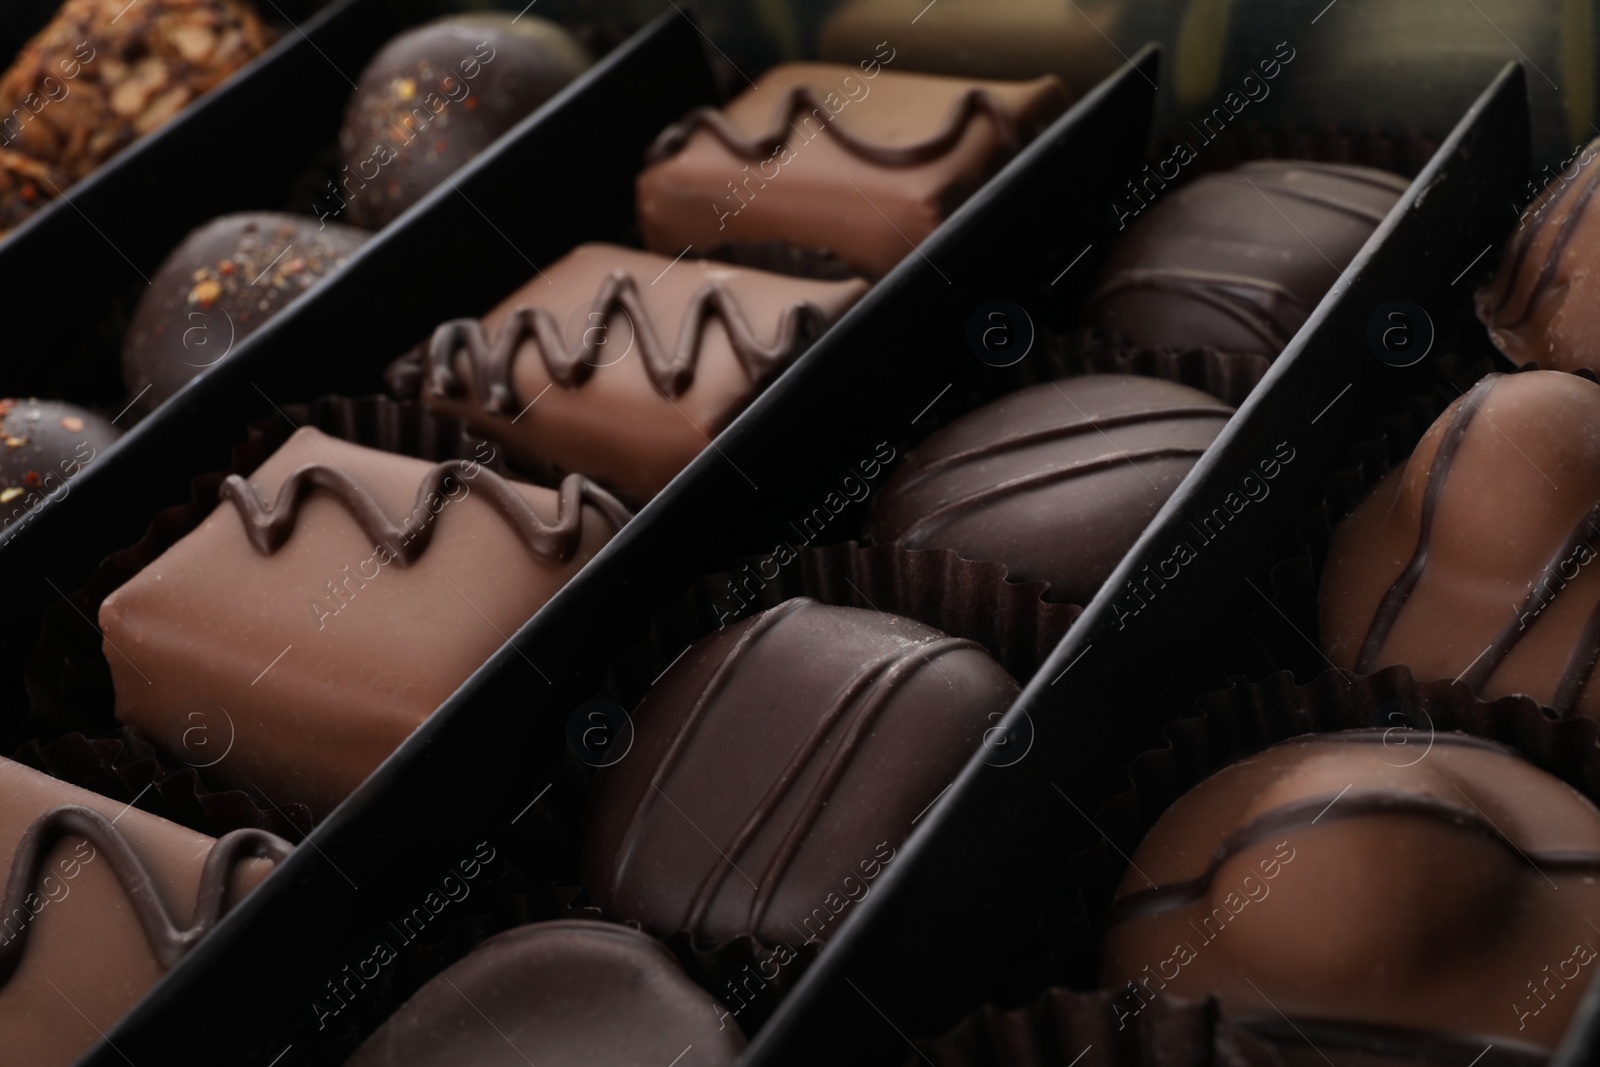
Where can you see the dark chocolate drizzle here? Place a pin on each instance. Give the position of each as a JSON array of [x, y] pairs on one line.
[[1301, 814], [869, 691], [932, 518], [269, 529], [672, 373], [1233, 295], [802, 98], [1552, 258], [169, 942], [1394, 601], [1322, 199]]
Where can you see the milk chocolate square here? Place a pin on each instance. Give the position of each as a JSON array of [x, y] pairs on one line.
[[623, 365], [862, 161], [71, 926], [331, 603]]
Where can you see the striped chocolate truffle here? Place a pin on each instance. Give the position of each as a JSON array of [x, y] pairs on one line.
[[1375, 896], [777, 766], [1056, 481], [1540, 307], [1239, 259], [1476, 560]]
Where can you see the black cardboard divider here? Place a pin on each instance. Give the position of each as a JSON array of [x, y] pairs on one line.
[[76, 269], [256, 991], [910, 961]]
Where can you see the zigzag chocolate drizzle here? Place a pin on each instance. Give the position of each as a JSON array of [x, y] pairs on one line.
[[268, 529], [802, 98], [168, 941], [1301, 814], [672, 373]]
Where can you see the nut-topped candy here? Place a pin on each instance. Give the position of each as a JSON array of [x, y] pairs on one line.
[[1475, 559], [218, 287], [436, 96], [1415, 895], [43, 446]]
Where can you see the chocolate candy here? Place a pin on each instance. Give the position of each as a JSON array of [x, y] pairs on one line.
[[776, 766], [1540, 307], [331, 602], [1381, 891], [1473, 561], [101, 899], [43, 445], [622, 364], [104, 73], [558, 994], [983, 38], [218, 287], [857, 160], [1236, 260], [436, 96], [1056, 481], [26, 185]]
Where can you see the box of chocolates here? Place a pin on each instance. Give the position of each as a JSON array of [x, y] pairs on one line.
[[609, 544]]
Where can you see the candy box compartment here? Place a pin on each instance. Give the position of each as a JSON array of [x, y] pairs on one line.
[[475, 771], [1158, 636]]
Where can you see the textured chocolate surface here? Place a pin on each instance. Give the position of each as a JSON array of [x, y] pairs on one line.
[[621, 364], [983, 38], [1056, 481], [1374, 886], [1475, 560], [1238, 260], [558, 994], [776, 767], [330, 603], [26, 185], [43, 445], [778, 163], [218, 287], [436, 96], [1541, 306], [104, 73], [100, 900]]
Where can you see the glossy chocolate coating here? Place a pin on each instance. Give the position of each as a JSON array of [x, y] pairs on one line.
[[983, 38], [1056, 481], [436, 96], [1541, 306], [558, 994], [43, 445], [777, 765], [1475, 560], [104, 73], [626, 396], [1238, 260], [779, 161], [1429, 883], [218, 287], [331, 639], [81, 956]]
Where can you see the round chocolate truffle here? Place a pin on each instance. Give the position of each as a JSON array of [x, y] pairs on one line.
[[1056, 481], [1237, 260], [436, 96], [776, 767], [218, 287], [43, 444], [558, 994], [1543, 305], [1476, 559], [1402, 893]]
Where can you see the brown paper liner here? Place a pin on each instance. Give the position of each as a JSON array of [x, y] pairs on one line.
[[1230, 376], [69, 679], [1062, 1027]]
